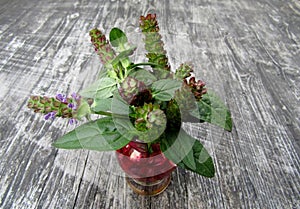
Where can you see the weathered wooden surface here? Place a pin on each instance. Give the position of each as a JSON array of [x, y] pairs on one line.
[[247, 51]]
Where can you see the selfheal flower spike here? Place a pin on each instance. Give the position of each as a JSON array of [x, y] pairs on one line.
[[59, 106], [102, 46], [75, 96], [154, 45], [197, 87], [184, 71]]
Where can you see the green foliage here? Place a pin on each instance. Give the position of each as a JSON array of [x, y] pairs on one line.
[[211, 109], [164, 89], [100, 135], [101, 105], [143, 75], [120, 64], [188, 153], [102, 89], [83, 110], [123, 58], [118, 38]]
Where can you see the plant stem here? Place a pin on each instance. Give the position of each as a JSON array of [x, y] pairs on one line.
[[111, 114]]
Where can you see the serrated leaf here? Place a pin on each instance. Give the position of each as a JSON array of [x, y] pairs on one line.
[[188, 153], [102, 88], [212, 110], [164, 89], [100, 135]]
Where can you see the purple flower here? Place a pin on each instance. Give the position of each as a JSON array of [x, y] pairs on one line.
[[61, 98], [72, 106], [72, 121], [75, 96], [50, 115]]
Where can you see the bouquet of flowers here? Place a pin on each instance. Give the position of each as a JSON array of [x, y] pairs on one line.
[[144, 102]]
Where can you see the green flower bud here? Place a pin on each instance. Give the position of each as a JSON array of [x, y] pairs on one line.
[[184, 71], [151, 121]]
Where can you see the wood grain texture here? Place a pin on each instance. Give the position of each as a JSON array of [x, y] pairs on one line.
[[246, 51]]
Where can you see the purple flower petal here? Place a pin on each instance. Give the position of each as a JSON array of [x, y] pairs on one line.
[[72, 121], [70, 105], [61, 98], [50, 115], [75, 96]]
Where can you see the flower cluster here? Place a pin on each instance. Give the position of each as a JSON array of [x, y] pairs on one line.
[[184, 71], [59, 106], [197, 87], [154, 45], [101, 45], [148, 116], [134, 92]]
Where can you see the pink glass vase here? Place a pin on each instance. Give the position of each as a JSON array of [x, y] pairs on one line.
[[148, 171]]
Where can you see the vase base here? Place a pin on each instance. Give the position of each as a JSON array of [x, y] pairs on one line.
[[150, 189]]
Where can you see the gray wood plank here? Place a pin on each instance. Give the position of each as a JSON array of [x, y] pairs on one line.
[[246, 51]]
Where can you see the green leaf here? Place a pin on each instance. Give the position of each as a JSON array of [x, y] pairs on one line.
[[117, 37], [212, 110], [189, 161], [123, 56], [83, 110], [102, 73], [102, 88], [204, 163], [143, 75], [188, 153], [119, 106], [103, 105], [100, 135], [68, 141], [164, 89], [119, 40]]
